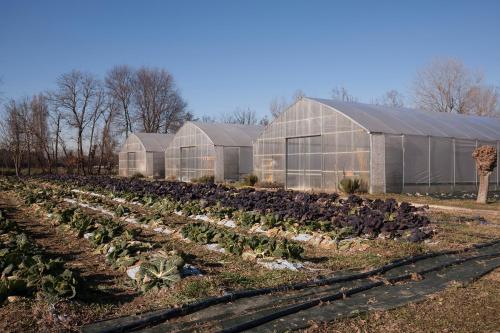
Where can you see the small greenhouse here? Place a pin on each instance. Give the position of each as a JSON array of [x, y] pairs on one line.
[[144, 153], [315, 143], [209, 149]]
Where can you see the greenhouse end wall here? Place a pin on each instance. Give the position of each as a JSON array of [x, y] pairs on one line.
[[312, 147], [190, 155], [132, 158]]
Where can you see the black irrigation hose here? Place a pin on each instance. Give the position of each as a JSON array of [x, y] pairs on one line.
[[161, 316], [339, 295]]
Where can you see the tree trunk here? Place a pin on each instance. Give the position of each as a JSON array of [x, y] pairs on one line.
[[484, 182]]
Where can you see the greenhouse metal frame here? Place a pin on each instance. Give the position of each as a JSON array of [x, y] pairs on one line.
[[316, 143], [199, 149], [144, 154]]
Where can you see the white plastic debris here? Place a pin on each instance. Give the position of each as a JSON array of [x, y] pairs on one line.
[[280, 264], [302, 237], [229, 223], [132, 271], [202, 218], [215, 248], [88, 193], [131, 220], [88, 235], [168, 231]]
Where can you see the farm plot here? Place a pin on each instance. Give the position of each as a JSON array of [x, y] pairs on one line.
[[171, 243]]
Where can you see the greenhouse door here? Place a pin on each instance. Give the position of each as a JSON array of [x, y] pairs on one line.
[[188, 163], [303, 163]]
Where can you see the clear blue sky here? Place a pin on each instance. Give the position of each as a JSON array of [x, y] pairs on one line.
[[226, 54]]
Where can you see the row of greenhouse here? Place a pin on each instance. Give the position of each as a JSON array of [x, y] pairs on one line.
[[316, 143]]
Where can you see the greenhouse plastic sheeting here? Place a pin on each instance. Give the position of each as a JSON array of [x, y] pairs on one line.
[[220, 150], [413, 151], [389, 120], [144, 153]]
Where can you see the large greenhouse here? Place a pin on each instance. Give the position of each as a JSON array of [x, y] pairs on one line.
[[144, 153], [208, 149], [316, 143]]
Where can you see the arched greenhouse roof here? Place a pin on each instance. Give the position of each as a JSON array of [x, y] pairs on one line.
[[230, 134], [154, 141], [383, 119]]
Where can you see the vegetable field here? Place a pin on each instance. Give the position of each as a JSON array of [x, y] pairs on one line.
[[99, 247]]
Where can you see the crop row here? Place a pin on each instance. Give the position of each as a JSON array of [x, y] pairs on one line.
[[256, 246], [25, 270], [286, 210], [151, 267]]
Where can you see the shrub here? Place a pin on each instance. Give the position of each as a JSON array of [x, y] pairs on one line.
[[204, 180], [269, 185], [250, 180], [137, 175], [349, 185]]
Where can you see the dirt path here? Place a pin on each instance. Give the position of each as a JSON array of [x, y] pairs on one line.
[[99, 282], [461, 210]]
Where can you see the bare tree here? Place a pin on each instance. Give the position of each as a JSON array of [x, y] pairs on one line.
[[1, 92], [298, 94], [341, 93], [483, 100], [277, 106], [120, 85], [74, 96], [240, 116], [446, 85], [160, 107], [107, 143], [208, 119], [56, 128], [391, 98], [443, 86], [12, 128], [96, 113], [40, 130], [25, 118], [264, 121]]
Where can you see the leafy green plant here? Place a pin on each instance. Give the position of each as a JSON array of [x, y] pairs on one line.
[[192, 208], [246, 219], [60, 286], [220, 212], [121, 210], [64, 215], [163, 270], [106, 232]]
